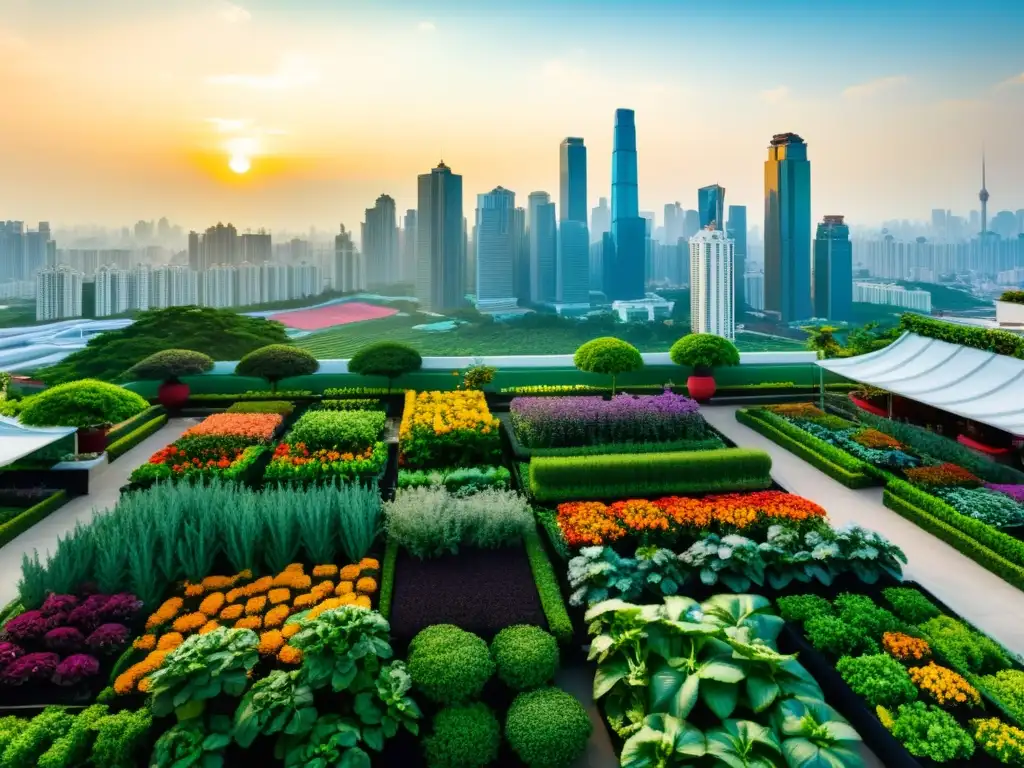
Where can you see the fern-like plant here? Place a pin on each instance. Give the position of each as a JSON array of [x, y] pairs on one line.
[[359, 519], [243, 534], [317, 526], [32, 585], [282, 531]]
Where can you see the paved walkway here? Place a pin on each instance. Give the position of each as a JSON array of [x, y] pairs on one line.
[[106, 488], [978, 595]]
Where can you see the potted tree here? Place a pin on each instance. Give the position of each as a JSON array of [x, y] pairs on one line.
[[168, 367], [608, 355], [385, 358], [276, 362], [703, 352]]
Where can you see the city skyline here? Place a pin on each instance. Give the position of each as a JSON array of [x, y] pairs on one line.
[[268, 88]]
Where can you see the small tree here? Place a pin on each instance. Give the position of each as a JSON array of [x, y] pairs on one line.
[[276, 362], [608, 355], [170, 365], [704, 352], [389, 359], [478, 376]]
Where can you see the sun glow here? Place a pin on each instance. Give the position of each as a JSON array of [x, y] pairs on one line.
[[239, 164]]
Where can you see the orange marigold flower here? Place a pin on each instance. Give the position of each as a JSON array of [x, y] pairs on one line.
[[145, 643], [290, 630], [270, 642], [194, 590], [212, 603], [279, 595], [295, 567], [366, 585], [248, 622], [348, 598], [324, 571], [129, 679], [255, 605], [350, 573], [243, 575], [209, 627], [170, 641], [165, 612], [905, 648], [234, 594], [276, 616], [307, 600], [259, 586], [301, 581], [232, 612], [218, 582], [326, 605], [143, 685], [363, 601], [369, 564], [289, 655], [190, 622], [343, 587]]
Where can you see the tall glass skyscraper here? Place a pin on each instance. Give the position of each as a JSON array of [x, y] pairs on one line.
[[833, 270], [572, 282], [495, 242], [543, 234], [572, 180], [711, 206], [624, 265], [787, 229], [440, 235], [736, 230]]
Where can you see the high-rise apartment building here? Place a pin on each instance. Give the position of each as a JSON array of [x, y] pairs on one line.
[[194, 258], [112, 291], [520, 256], [219, 284], [600, 220], [543, 234], [255, 247], [691, 224], [273, 282], [572, 270], [753, 290], [441, 240], [247, 284], [736, 230], [407, 273], [219, 245], [58, 294], [380, 243], [787, 229], [24, 252], [305, 280], [173, 286], [625, 263], [833, 270], [711, 206], [348, 271], [712, 284], [494, 241]]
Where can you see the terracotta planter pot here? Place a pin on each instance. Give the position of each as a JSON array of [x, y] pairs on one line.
[[172, 394], [701, 388], [92, 440]]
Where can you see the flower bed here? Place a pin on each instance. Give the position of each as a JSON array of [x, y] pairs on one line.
[[330, 446], [193, 462], [224, 430], [447, 429]]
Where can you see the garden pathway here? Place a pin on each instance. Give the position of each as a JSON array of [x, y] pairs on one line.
[[978, 595], [106, 488]]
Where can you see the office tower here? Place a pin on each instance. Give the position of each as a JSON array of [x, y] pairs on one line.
[[712, 284], [380, 243], [833, 270], [543, 232], [691, 224], [572, 166], [348, 272], [34, 251], [939, 223], [58, 294], [408, 267], [711, 206], [468, 256], [1004, 224], [597, 265], [625, 264], [983, 198], [256, 248], [572, 271], [753, 290], [12, 250], [736, 230], [494, 242], [441, 240], [600, 220], [520, 256], [787, 229], [194, 261], [974, 222], [675, 222]]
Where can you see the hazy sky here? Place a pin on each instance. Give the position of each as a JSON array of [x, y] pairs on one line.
[[116, 110]]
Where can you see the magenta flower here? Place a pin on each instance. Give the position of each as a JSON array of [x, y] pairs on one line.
[[31, 666], [30, 625], [59, 604], [1015, 492], [74, 669], [121, 607], [64, 640], [88, 615], [108, 638], [9, 652]]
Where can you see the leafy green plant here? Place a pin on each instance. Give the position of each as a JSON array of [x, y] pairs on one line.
[[86, 403], [547, 728], [833, 635], [663, 742], [743, 744], [170, 365], [1007, 686], [282, 407], [813, 734], [928, 731], [277, 361], [352, 431], [388, 708], [73, 747], [32, 740], [332, 742], [119, 738], [343, 648], [466, 736], [526, 656], [861, 613], [910, 605], [800, 608], [600, 573], [279, 703], [878, 678], [478, 376], [734, 560], [385, 358], [609, 356], [704, 352], [201, 668], [353, 404], [449, 665], [963, 648], [193, 742]]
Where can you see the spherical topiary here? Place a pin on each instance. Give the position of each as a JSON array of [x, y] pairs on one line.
[[608, 355], [704, 351], [464, 737], [170, 364], [547, 728], [85, 403], [526, 656], [276, 362], [389, 359], [449, 665]]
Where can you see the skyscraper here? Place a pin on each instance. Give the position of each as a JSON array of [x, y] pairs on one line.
[[495, 244], [736, 230], [58, 294], [572, 180], [833, 270], [674, 223], [600, 220], [520, 256], [348, 271], [712, 284], [572, 271], [408, 268], [625, 264], [787, 229], [441, 240], [380, 243], [691, 224], [711, 206], [983, 198], [256, 247], [543, 247]]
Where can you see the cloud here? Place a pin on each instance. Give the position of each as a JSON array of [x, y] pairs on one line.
[[426, 26], [233, 14], [293, 72], [1010, 82], [874, 87], [775, 95]]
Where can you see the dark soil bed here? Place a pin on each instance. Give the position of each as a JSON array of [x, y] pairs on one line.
[[481, 591]]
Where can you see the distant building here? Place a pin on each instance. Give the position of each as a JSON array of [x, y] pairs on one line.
[[495, 242], [256, 248], [407, 271], [348, 272], [712, 284], [711, 207], [787, 229], [753, 290], [572, 270], [833, 270], [274, 280], [675, 223], [380, 243], [58, 294], [691, 224], [893, 296], [23, 252], [441, 240], [520, 256], [247, 284], [112, 291], [625, 263], [652, 308], [736, 230], [600, 220], [219, 245], [173, 286], [543, 233], [218, 287]]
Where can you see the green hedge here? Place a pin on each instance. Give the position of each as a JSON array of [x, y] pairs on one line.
[[31, 516], [559, 623], [572, 478], [120, 447], [989, 340], [816, 452], [387, 578], [127, 427]]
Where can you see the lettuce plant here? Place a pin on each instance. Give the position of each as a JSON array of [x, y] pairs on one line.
[[743, 744], [928, 731], [332, 742], [278, 703], [193, 743], [343, 648], [662, 742], [388, 707]]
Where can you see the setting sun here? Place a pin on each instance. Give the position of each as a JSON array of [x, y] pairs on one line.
[[239, 164]]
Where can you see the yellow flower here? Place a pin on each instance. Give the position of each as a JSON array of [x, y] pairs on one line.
[[350, 573], [363, 601], [326, 605], [369, 564], [343, 587], [366, 585], [323, 589], [295, 567], [944, 685]]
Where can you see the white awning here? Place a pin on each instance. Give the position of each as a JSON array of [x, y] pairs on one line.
[[18, 441], [972, 383]]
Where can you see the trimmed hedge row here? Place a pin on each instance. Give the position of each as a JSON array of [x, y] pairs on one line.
[[120, 447], [565, 478], [808, 447], [127, 427], [387, 578], [31, 516], [559, 623]]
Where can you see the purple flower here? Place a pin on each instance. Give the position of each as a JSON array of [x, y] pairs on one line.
[[30, 625], [59, 604], [64, 639], [76, 668], [121, 607], [108, 638], [87, 616], [9, 652], [1015, 492], [31, 666]]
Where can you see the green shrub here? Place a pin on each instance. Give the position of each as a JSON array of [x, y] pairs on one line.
[[463, 737], [277, 361], [351, 431], [989, 340], [355, 404], [547, 728], [282, 407], [1007, 686], [85, 403], [526, 656], [119, 738], [124, 444], [31, 741], [704, 352], [910, 605], [21, 522], [625, 475], [449, 665], [669, 446], [608, 355], [831, 634], [861, 613], [964, 649], [387, 578], [878, 678], [118, 431], [73, 747], [464, 480], [548, 590], [170, 365], [799, 608], [389, 359], [928, 731]]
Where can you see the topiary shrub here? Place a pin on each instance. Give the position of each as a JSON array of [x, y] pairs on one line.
[[85, 403], [449, 665], [170, 365], [463, 737], [276, 362], [608, 355], [704, 352], [526, 656], [547, 728], [385, 358]]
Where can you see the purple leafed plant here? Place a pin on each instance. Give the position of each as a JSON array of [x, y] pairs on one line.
[[552, 422], [74, 669], [121, 607], [88, 615], [108, 638], [1015, 492], [30, 625], [55, 604], [9, 652], [31, 666], [64, 640]]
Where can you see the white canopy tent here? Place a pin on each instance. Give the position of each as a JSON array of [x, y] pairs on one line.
[[972, 383], [18, 441]]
